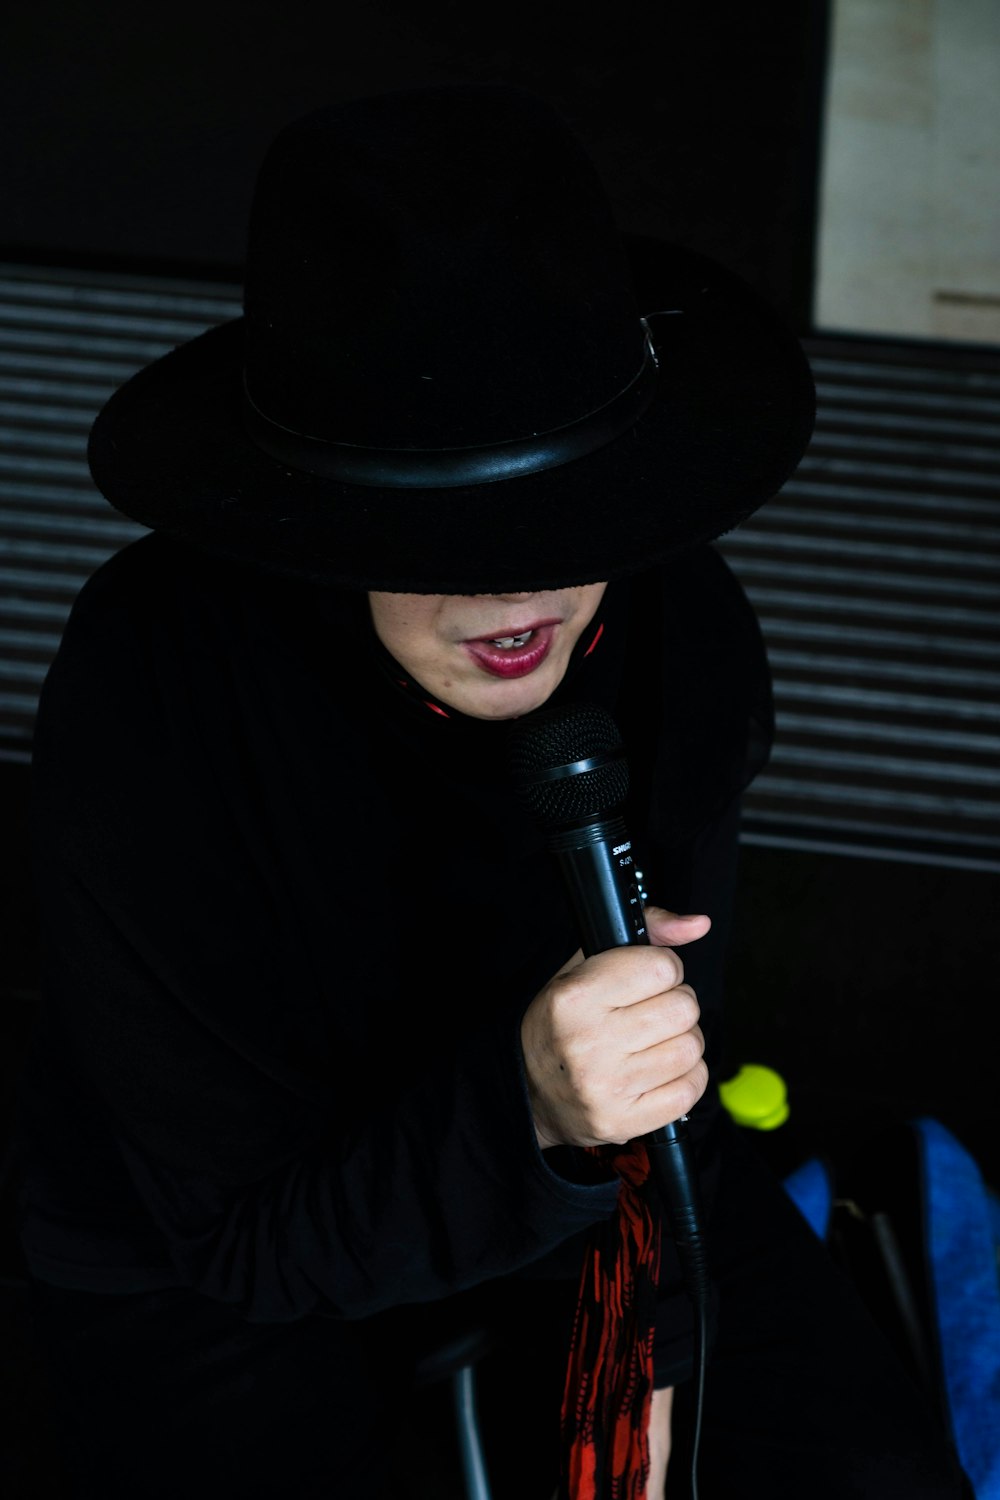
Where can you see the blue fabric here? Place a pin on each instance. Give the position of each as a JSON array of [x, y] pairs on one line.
[[961, 1237], [811, 1190], [993, 1206]]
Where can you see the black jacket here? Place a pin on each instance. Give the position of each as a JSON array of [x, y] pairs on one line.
[[292, 916]]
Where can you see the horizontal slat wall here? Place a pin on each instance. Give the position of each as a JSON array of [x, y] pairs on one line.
[[876, 572], [876, 577], [68, 338]]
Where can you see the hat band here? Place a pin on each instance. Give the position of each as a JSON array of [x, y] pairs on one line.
[[445, 468]]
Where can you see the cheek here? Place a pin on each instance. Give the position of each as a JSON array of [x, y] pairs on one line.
[[407, 625], [431, 660]]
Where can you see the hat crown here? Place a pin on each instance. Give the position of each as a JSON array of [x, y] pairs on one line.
[[435, 268], [444, 381]]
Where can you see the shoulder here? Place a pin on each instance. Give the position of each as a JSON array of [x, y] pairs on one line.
[[130, 596], [168, 649], [699, 589], [144, 583], [145, 628], [696, 613], [706, 689]]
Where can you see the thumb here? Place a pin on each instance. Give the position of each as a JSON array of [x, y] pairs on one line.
[[668, 929]]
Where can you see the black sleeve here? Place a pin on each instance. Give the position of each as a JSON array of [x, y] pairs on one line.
[[261, 1197]]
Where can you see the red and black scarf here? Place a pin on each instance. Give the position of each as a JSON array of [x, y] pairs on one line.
[[609, 1376]]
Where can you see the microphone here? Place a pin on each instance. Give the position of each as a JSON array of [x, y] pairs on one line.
[[569, 766]]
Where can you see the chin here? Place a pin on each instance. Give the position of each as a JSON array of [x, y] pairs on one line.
[[512, 705]]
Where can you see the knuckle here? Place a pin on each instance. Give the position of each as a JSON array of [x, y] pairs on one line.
[[691, 1049], [690, 1008], [664, 967], [565, 991], [697, 1083], [602, 1123], [681, 1010], [584, 1079], [673, 968], [568, 1015]]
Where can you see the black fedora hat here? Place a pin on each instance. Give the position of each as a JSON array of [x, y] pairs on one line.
[[450, 376]]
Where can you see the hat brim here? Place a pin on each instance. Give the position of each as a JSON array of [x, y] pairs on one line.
[[730, 420]]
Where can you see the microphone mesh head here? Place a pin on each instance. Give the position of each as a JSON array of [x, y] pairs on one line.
[[561, 736]]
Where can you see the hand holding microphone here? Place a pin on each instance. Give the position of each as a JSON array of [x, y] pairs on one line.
[[612, 1045], [621, 1025]]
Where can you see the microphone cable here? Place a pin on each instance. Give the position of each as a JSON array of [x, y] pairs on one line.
[[671, 1161]]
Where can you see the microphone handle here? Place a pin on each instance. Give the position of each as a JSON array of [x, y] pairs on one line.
[[599, 869]]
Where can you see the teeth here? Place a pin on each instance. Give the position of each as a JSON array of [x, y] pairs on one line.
[[512, 640]]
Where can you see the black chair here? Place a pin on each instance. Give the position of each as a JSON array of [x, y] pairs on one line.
[[455, 1360]]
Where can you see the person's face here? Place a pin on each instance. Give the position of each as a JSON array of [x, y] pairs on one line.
[[449, 644]]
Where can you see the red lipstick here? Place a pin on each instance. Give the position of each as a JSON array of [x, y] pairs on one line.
[[513, 661]]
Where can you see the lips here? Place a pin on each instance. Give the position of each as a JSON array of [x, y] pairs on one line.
[[513, 661]]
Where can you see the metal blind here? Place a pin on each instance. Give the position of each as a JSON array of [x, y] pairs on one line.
[[876, 578]]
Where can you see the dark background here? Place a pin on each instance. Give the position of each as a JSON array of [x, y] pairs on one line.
[[138, 129], [131, 140]]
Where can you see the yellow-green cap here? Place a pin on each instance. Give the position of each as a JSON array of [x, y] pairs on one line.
[[756, 1096]]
